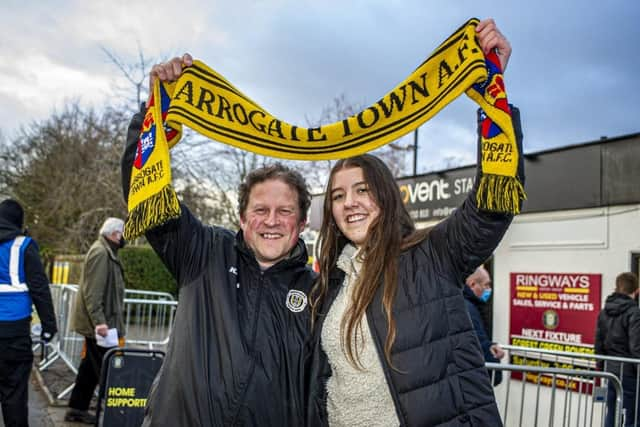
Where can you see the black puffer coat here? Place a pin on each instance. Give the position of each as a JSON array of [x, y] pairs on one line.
[[618, 331], [440, 378], [236, 355]]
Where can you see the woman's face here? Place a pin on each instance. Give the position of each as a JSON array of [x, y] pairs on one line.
[[352, 204]]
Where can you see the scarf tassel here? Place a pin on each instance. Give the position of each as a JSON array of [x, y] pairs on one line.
[[152, 212], [500, 193]]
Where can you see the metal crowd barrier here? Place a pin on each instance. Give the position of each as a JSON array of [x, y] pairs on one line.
[[557, 388], [570, 400], [540, 387], [149, 318]]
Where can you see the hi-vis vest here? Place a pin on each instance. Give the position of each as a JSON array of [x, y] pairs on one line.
[[15, 301]]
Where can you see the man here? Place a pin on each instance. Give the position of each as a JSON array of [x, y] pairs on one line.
[[98, 308], [236, 355], [22, 283], [618, 334], [476, 294]]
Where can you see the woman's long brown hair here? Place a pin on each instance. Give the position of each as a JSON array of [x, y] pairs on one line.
[[390, 233]]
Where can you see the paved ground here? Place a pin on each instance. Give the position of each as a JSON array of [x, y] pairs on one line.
[[41, 413], [55, 409], [38, 406], [45, 409]]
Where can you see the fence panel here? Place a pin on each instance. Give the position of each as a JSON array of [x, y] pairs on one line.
[[531, 403], [543, 388], [149, 318], [546, 384]]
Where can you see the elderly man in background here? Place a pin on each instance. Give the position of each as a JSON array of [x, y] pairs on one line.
[[98, 308]]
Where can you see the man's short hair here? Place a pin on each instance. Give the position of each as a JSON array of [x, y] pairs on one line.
[[626, 283], [480, 275], [278, 171], [111, 225]]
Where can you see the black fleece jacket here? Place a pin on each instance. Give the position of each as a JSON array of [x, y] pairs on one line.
[[618, 330], [236, 354]]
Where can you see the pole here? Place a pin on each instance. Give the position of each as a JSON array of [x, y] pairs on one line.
[[415, 152]]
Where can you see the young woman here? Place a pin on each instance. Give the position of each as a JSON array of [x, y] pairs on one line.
[[394, 343]]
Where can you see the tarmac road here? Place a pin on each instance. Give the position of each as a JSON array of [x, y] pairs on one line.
[[38, 406], [41, 414]]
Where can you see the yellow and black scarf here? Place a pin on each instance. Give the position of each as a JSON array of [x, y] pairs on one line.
[[206, 102]]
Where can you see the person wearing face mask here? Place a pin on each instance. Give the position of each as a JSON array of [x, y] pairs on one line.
[[476, 294], [98, 307]]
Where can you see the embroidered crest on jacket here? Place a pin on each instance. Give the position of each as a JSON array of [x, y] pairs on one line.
[[296, 300]]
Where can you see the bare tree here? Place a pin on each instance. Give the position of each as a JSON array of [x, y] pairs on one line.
[[66, 173], [394, 154], [136, 74]]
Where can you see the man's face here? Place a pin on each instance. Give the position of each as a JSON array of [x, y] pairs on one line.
[[271, 222], [480, 283]]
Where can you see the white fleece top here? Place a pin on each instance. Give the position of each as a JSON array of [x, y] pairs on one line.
[[354, 397]]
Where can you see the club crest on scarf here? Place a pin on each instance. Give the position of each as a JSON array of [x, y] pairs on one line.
[[152, 200], [146, 143], [499, 188], [147, 139], [493, 91]]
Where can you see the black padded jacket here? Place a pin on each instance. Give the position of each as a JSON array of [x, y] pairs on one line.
[[440, 378], [618, 332]]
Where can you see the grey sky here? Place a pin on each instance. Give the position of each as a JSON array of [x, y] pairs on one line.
[[573, 72]]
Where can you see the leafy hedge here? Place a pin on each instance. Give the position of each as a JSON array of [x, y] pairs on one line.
[[143, 270]]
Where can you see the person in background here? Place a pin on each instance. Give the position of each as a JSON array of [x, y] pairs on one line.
[[618, 334], [394, 344], [476, 294], [99, 307], [23, 283]]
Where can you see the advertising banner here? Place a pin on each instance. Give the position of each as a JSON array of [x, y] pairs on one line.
[[435, 196], [127, 375], [554, 311]]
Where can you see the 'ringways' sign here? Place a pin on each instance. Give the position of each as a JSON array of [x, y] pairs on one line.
[[554, 311]]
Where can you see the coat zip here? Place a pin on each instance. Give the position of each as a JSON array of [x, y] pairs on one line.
[[253, 341]]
